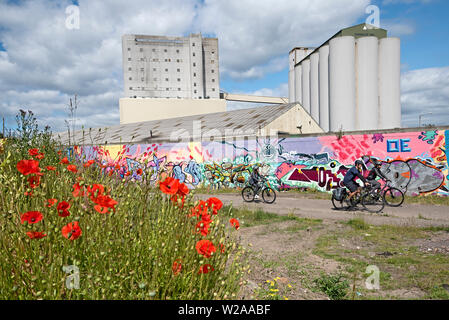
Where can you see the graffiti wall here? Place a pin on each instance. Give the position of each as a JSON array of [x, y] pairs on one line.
[[415, 162]]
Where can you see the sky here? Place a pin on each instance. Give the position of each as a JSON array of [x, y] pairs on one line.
[[44, 63]]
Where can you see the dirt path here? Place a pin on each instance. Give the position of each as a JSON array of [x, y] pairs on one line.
[[303, 206]]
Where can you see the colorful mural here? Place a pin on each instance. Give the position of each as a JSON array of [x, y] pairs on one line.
[[415, 162]]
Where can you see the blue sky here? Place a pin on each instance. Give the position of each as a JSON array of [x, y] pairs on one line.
[[43, 64]]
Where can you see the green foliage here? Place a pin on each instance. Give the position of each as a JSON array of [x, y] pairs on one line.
[[334, 286], [358, 224]]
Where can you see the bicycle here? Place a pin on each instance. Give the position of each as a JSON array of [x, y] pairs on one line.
[[368, 197], [268, 193], [392, 196]]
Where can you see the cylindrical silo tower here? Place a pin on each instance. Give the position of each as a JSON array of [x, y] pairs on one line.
[[314, 87], [324, 87], [366, 66], [389, 83], [342, 83], [298, 83], [291, 76], [306, 84]]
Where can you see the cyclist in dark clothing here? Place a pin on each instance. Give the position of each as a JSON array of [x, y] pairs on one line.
[[255, 179], [349, 180], [374, 173]]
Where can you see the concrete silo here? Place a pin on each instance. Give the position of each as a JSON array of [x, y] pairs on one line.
[[314, 87], [291, 76], [306, 84], [366, 65], [298, 83], [389, 83], [342, 83], [324, 87]]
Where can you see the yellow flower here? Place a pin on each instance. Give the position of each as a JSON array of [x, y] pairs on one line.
[[289, 285], [285, 298], [274, 290]]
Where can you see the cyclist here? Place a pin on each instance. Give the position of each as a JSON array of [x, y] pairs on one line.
[[374, 173], [255, 180], [349, 180]]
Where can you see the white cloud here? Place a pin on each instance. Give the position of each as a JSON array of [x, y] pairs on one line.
[[424, 91], [280, 91]]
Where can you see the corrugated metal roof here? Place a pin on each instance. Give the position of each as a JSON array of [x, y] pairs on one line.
[[236, 123]]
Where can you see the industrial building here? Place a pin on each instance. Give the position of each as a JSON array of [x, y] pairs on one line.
[[351, 82], [276, 120]]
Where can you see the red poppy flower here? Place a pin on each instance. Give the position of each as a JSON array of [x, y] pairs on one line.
[[139, 171], [63, 209], [27, 167], [199, 210], [235, 223], [33, 152], [77, 190], [50, 168], [95, 190], [177, 267], [71, 231], [59, 152], [64, 160], [31, 217], [202, 227], [104, 201], [117, 167], [28, 193], [40, 156], [206, 268], [34, 181], [72, 168], [222, 248], [51, 202], [127, 173], [215, 204], [205, 247], [183, 190], [101, 209], [36, 235], [88, 163], [169, 186]]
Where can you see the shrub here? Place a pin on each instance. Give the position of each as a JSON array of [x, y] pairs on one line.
[[333, 286]]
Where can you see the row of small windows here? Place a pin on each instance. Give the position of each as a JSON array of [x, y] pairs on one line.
[[166, 89], [153, 50]]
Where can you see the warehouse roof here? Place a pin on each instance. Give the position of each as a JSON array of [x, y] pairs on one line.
[[236, 123]]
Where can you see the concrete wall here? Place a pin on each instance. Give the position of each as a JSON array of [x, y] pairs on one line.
[[146, 109], [291, 120], [415, 161]]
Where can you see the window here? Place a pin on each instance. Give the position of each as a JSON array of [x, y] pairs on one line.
[[129, 69], [154, 69], [212, 71], [166, 79], [213, 80], [179, 70], [194, 74], [141, 59], [194, 84], [143, 79], [213, 89], [129, 59], [165, 50], [194, 91], [155, 60], [194, 64], [179, 79], [142, 69], [177, 60], [166, 70], [141, 49], [155, 79], [166, 89], [179, 89], [154, 50], [193, 44], [193, 54], [177, 51], [130, 78], [213, 52], [129, 49], [130, 88], [212, 61], [166, 60]]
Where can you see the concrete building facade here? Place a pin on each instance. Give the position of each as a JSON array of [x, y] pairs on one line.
[[170, 67]]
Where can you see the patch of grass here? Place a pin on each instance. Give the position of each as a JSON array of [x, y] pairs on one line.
[[358, 224], [436, 228], [249, 218], [438, 293], [209, 190], [428, 199], [334, 286]]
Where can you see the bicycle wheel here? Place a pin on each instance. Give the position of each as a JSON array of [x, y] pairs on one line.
[[372, 202], [338, 205], [393, 197], [248, 194], [268, 195]]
